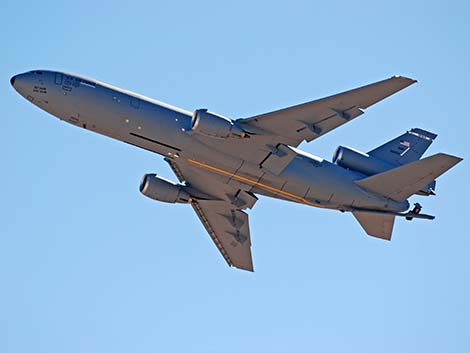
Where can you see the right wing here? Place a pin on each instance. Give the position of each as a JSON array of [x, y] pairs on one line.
[[219, 206], [313, 119], [228, 228]]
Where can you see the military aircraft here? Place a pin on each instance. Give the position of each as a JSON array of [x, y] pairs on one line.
[[222, 164]]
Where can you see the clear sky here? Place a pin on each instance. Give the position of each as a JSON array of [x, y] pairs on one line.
[[87, 264]]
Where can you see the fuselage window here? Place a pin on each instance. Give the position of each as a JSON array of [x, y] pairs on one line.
[[135, 103], [58, 79]]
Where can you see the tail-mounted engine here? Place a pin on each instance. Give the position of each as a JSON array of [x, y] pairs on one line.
[[368, 165], [160, 189], [359, 161], [214, 125]]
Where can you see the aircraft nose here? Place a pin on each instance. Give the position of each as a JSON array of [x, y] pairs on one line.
[[22, 82]]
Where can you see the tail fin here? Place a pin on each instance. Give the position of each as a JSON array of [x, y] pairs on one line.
[[376, 224], [406, 148], [402, 182]]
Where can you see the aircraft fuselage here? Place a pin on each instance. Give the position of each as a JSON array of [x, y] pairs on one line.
[[164, 129]]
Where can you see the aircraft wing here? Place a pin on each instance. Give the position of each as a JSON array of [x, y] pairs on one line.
[[220, 206], [228, 228], [313, 119]]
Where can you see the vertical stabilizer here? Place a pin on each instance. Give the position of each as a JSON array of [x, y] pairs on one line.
[[406, 148]]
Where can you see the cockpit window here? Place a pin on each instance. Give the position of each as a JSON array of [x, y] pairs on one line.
[[37, 72], [58, 78], [86, 82]]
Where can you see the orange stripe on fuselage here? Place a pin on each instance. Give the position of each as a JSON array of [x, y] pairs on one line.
[[253, 182]]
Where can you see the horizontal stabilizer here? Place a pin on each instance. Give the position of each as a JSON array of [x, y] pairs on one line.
[[376, 224], [402, 182]]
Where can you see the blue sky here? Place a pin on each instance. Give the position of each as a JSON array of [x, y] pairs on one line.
[[87, 264]]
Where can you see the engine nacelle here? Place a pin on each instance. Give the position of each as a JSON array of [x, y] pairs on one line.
[[363, 163], [359, 161], [160, 189], [214, 125]]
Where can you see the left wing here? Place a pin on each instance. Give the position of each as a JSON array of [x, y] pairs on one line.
[[313, 119], [220, 206]]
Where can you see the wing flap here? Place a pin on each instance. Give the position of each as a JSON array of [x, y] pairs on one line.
[[229, 229], [278, 159], [219, 207]]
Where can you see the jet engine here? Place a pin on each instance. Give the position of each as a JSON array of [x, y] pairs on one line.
[[214, 125], [359, 161], [160, 189]]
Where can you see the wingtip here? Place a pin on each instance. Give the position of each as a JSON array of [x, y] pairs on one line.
[[411, 80], [248, 268], [454, 160]]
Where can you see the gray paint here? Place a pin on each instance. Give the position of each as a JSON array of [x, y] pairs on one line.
[[222, 175]]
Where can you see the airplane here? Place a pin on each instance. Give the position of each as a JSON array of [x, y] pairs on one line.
[[222, 164]]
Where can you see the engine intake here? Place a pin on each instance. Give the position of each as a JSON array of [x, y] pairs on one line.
[[160, 189], [214, 125], [359, 161]]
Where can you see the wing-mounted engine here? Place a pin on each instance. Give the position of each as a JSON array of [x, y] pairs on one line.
[[214, 125], [160, 189], [359, 161]]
